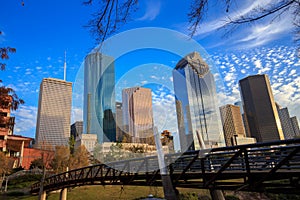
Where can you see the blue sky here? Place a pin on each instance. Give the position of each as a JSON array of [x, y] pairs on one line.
[[42, 30]]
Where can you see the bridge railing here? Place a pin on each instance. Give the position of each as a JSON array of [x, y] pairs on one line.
[[209, 165]]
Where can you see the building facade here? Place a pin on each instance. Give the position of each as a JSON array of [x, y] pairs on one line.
[[89, 141], [295, 126], [247, 131], [99, 97], [76, 129], [232, 123], [138, 114], [260, 109], [54, 113], [197, 115], [6, 127], [286, 123]]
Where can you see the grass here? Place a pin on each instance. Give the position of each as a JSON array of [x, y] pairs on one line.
[[111, 193]]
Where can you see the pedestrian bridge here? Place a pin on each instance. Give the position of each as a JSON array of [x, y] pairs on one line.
[[262, 167]]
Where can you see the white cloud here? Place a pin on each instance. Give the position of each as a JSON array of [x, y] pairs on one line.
[[152, 10], [230, 77], [247, 35], [25, 120], [164, 110], [77, 114], [220, 22]]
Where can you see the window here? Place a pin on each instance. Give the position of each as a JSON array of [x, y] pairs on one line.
[[3, 114]]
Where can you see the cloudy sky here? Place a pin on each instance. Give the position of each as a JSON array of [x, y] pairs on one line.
[[42, 30]]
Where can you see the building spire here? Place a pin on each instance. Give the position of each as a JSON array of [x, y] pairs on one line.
[[65, 66]]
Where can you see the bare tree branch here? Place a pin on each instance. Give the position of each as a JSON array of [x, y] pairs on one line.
[[196, 15], [110, 17], [264, 12], [4, 55], [114, 14]]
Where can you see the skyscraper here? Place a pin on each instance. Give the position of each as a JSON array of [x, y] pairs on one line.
[[195, 94], [295, 126], [138, 114], [247, 131], [76, 129], [286, 122], [120, 134], [260, 109], [99, 97], [54, 113], [232, 123]]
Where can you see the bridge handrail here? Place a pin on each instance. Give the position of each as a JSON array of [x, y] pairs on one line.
[[286, 144]]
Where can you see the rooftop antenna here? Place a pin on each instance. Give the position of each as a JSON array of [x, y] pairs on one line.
[[65, 66]]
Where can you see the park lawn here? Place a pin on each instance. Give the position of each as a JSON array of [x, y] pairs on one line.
[[109, 192]]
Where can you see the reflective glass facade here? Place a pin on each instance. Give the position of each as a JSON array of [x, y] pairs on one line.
[[138, 114], [195, 94], [99, 97]]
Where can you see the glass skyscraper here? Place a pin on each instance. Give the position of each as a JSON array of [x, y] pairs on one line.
[[138, 114], [99, 97], [197, 115]]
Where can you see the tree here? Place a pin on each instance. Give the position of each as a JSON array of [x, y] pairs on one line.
[[113, 14], [8, 97], [37, 163], [61, 158], [79, 159], [72, 144], [4, 167]]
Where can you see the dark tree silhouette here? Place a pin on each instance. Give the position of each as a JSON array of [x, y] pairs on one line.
[[113, 14]]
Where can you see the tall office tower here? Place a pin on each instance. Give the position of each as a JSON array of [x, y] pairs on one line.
[[246, 127], [286, 122], [76, 129], [138, 114], [195, 94], [232, 123], [120, 133], [54, 113], [260, 109], [295, 126], [99, 97]]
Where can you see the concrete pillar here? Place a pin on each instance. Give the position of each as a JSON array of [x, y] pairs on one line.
[[216, 194], [43, 196], [169, 191], [63, 194], [21, 154]]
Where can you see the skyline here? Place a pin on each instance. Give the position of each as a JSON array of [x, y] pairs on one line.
[[270, 53]]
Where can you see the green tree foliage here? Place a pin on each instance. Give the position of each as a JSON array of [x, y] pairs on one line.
[[72, 144], [37, 163], [115, 153]]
